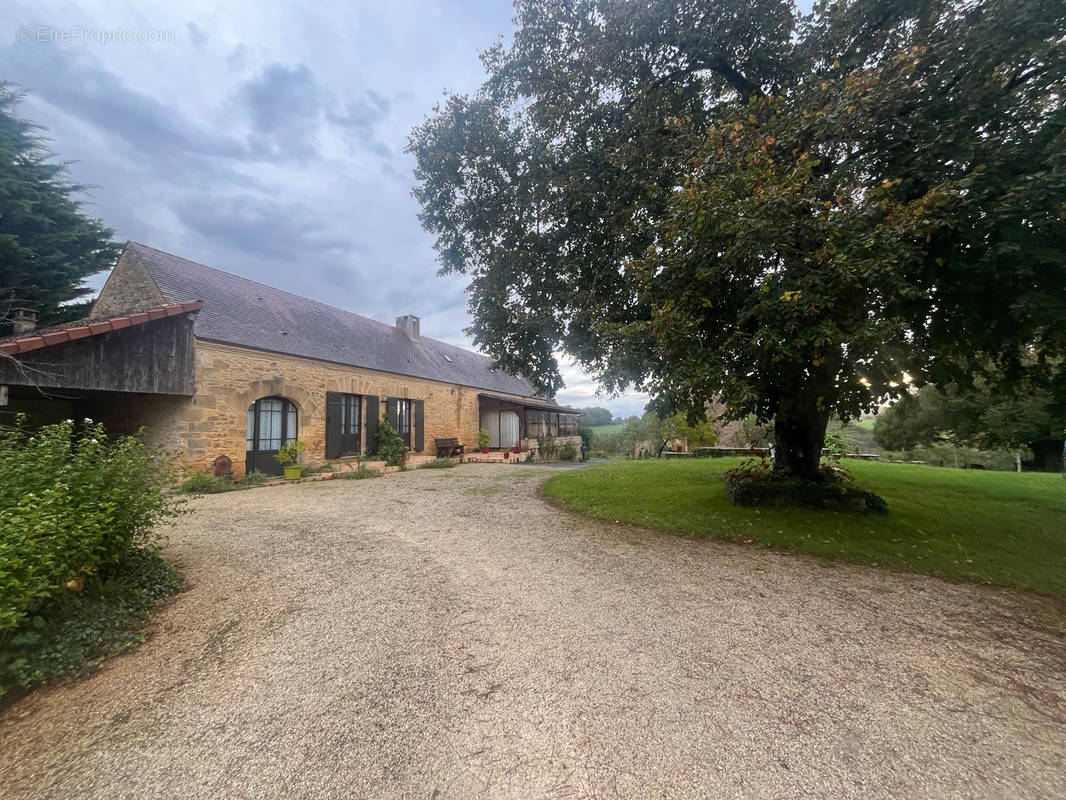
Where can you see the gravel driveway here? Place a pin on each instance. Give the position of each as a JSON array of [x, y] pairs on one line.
[[447, 634]]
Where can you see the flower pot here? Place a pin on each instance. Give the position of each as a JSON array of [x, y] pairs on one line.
[[484, 449], [292, 472], [507, 454]]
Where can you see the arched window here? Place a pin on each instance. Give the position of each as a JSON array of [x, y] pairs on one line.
[[271, 423]]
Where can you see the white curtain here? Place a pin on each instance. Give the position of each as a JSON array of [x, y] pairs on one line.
[[502, 426]]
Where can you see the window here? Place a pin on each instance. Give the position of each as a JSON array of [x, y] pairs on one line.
[[403, 417], [351, 414], [275, 419], [536, 424], [344, 424], [271, 422], [568, 424]]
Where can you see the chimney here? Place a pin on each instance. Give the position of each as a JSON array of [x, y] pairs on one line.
[[24, 320], [409, 324]]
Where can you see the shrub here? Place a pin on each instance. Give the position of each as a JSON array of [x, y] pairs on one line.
[[254, 478], [72, 502], [836, 445], [359, 474], [608, 443], [568, 452], [439, 463], [74, 630], [755, 483], [206, 483], [547, 448], [391, 448], [483, 438]]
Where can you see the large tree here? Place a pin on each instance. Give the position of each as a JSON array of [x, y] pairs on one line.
[[48, 245], [785, 212]]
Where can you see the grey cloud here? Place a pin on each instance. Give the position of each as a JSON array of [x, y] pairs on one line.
[[264, 227], [283, 104], [362, 116], [80, 86], [197, 35]]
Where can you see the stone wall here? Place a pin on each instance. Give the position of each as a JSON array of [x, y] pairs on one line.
[[129, 287], [229, 379]]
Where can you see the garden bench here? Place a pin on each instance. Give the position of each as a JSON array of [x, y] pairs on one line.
[[446, 448]]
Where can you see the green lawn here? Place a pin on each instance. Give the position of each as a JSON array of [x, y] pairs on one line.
[[996, 527]]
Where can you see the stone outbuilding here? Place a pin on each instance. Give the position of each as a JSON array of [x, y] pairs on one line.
[[212, 364]]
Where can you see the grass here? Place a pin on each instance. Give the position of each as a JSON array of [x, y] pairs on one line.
[[606, 428], [440, 463], [990, 527]]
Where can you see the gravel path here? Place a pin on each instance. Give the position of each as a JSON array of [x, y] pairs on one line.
[[447, 634]]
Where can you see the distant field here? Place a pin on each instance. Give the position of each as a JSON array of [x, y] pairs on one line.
[[996, 527], [605, 428]]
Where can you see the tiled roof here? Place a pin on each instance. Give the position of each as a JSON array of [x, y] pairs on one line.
[[80, 329], [242, 312]]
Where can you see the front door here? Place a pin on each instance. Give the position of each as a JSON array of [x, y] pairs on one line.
[[271, 423]]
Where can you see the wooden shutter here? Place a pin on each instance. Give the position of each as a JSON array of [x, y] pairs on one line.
[[333, 424], [390, 413], [372, 412], [420, 414]]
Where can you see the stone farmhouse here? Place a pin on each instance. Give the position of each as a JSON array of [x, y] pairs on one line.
[[211, 364]]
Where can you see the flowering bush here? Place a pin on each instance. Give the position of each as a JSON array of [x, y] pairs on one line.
[[72, 501]]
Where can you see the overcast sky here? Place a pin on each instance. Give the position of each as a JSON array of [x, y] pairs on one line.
[[264, 142]]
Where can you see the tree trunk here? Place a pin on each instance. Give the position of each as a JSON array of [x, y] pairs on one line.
[[1047, 453], [798, 442]]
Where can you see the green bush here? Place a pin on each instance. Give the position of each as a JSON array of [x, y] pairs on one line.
[[254, 478], [206, 483], [391, 448], [439, 463], [359, 474], [74, 630], [547, 448], [72, 502], [568, 452]]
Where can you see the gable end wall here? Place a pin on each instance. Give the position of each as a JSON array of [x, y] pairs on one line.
[[129, 287]]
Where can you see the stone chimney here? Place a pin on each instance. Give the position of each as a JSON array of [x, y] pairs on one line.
[[409, 324], [24, 320]]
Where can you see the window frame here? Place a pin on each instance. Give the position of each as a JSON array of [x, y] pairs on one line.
[[403, 416], [351, 423]]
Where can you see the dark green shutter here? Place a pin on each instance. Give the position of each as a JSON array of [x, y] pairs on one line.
[[420, 414], [390, 413], [333, 424], [371, 423]]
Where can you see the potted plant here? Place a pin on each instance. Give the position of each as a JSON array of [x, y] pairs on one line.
[[289, 456], [483, 440]]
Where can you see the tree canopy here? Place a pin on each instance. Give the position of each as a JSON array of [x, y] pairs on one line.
[[978, 416], [784, 212], [593, 416], [48, 246]]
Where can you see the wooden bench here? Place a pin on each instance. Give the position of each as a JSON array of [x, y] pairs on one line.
[[446, 448]]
